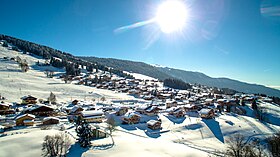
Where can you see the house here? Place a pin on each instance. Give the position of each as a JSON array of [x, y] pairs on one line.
[[207, 113], [93, 116], [179, 112], [171, 103], [76, 110], [131, 118], [50, 120], [98, 133], [4, 107], [40, 110], [28, 100], [151, 110], [25, 119], [75, 102], [120, 111], [2, 129], [154, 124], [190, 107]]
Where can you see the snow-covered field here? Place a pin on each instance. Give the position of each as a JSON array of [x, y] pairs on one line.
[[181, 137], [14, 84]]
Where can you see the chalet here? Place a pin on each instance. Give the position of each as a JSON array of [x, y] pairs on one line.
[[209, 101], [25, 119], [75, 102], [98, 133], [151, 110], [131, 118], [154, 124], [76, 110], [4, 107], [40, 110], [207, 113], [93, 116], [2, 128], [28, 100], [120, 111], [179, 112], [50, 120], [171, 103], [190, 107]]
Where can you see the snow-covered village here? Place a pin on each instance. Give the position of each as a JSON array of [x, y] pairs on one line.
[[139, 78], [102, 114]]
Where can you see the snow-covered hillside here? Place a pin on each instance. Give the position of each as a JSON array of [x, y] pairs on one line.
[[188, 136], [14, 84]]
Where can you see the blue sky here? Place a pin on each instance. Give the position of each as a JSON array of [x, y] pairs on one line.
[[239, 39]]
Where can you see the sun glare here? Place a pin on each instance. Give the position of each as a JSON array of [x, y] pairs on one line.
[[171, 16]]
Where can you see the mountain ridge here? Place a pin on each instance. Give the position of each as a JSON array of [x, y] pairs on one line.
[[162, 73]]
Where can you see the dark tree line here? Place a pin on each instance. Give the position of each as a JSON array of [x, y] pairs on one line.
[[58, 58], [177, 84]]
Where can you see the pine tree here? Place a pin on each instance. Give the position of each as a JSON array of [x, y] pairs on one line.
[[84, 133]]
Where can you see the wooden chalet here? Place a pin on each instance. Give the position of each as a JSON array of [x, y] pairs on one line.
[[75, 102], [40, 110], [98, 133], [178, 112], [207, 113], [4, 107], [50, 120], [190, 107], [25, 119], [28, 100], [120, 111], [154, 124], [93, 116], [171, 103], [151, 110], [131, 118]]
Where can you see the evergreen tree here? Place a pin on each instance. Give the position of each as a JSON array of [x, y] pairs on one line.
[[84, 133]]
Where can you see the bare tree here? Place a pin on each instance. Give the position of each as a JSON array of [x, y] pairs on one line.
[[274, 144], [111, 126], [52, 98], [49, 73], [103, 99], [238, 146], [23, 65], [57, 145]]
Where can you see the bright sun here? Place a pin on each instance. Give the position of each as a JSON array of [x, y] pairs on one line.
[[171, 16]]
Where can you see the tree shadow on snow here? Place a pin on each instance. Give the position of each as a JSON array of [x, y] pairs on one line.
[[153, 133], [214, 126], [76, 150], [175, 120], [194, 126]]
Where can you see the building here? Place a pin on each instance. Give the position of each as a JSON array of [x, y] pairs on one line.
[[131, 118], [154, 124], [207, 113], [28, 100], [40, 110], [50, 120], [25, 119], [93, 116], [120, 111], [151, 110]]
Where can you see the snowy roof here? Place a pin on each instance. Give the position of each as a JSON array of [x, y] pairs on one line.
[[152, 122], [38, 106], [29, 115], [189, 105], [151, 108], [48, 118], [130, 114], [7, 105], [28, 97], [75, 108], [92, 113], [205, 111]]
